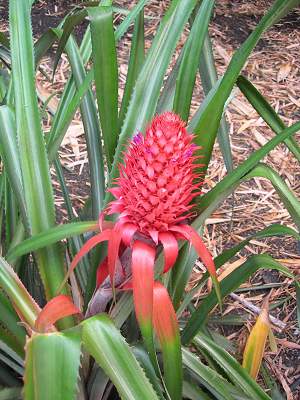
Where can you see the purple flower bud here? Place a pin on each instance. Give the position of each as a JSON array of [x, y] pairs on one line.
[[138, 139]]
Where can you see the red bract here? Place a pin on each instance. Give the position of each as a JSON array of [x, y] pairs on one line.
[[153, 195]]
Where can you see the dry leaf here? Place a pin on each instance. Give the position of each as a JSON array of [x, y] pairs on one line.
[[284, 72]]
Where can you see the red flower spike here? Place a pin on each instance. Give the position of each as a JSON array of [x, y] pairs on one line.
[[153, 195], [167, 331], [59, 307]]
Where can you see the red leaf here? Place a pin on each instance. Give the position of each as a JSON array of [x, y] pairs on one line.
[[167, 330], [164, 316], [102, 272], [113, 253], [92, 242], [59, 307], [192, 236], [128, 230], [143, 257], [170, 246]]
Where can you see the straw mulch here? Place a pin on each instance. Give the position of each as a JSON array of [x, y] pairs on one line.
[[274, 68]]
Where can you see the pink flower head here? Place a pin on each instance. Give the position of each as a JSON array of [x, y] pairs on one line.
[[157, 181]]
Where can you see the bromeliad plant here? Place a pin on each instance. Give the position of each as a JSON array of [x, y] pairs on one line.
[[61, 331]]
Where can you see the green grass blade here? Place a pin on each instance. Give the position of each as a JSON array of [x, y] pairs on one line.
[[136, 61], [52, 366], [267, 112], [145, 95], [51, 236], [228, 285], [232, 368], [209, 78], [202, 123], [33, 158], [189, 65], [104, 56], [105, 343]]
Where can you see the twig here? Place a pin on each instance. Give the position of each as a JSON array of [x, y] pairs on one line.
[[257, 310]]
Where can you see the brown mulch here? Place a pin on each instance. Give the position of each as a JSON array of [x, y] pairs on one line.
[[274, 68]]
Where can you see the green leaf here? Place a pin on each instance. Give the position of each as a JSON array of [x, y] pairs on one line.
[[297, 285], [13, 335], [43, 44], [8, 342], [272, 230], [209, 78], [91, 128], [228, 285], [52, 366], [32, 152], [202, 123], [210, 200], [267, 112], [231, 367], [69, 103], [4, 41], [143, 358], [193, 392], [211, 379], [132, 15], [145, 95], [106, 75], [51, 236], [286, 195], [105, 343], [188, 67], [187, 258], [75, 243], [136, 61], [11, 394], [70, 22], [10, 157], [16, 291]]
